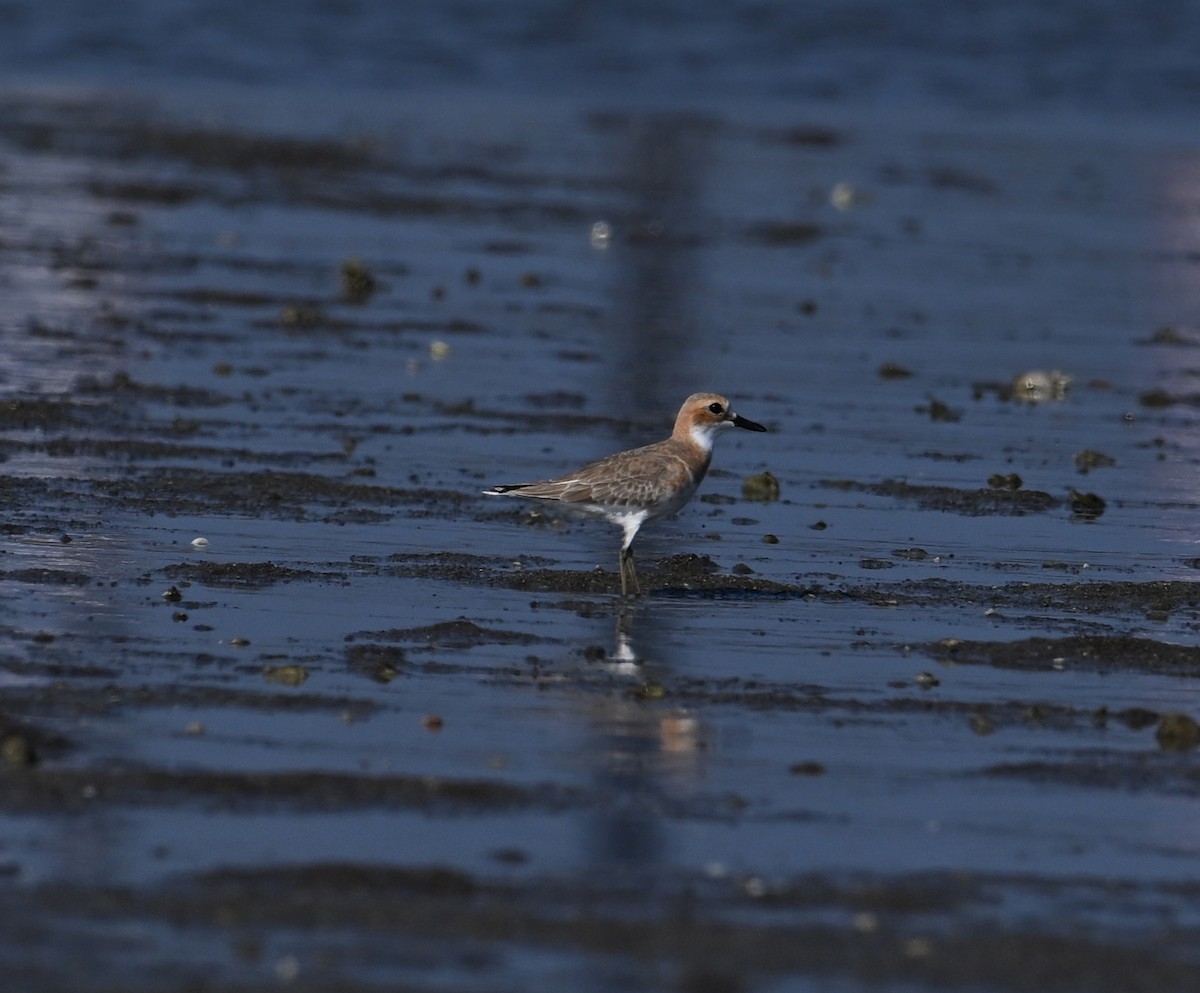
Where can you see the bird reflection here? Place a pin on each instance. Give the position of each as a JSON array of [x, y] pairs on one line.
[[648, 755], [624, 658]]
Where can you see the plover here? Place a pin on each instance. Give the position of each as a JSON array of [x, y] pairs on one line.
[[642, 484]]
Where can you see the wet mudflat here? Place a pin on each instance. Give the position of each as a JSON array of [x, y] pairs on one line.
[[923, 719]]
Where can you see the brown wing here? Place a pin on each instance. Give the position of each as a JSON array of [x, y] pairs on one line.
[[641, 477]]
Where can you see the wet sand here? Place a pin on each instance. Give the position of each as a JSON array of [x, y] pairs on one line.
[[922, 720]]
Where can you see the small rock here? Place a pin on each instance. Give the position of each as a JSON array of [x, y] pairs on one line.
[[891, 370], [941, 412], [806, 769], [301, 316], [18, 752], [1177, 733], [1137, 718], [1156, 398], [384, 672], [1087, 460], [358, 283], [764, 488], [876, 564], [1168, 335], [650, 690], [1088, 506], [1005, 481], [982, 724], [288, 675]]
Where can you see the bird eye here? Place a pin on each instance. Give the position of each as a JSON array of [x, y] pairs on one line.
[[716, 408]]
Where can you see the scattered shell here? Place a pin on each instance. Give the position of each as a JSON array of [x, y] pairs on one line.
[[918, 948], [754, 887], [601, 235], [439, 350], [865, 922], [287, 969], [843, 196], [1039, 385], [199, 542]]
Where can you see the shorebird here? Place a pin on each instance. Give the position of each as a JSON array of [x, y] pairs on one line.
[[642, 484]]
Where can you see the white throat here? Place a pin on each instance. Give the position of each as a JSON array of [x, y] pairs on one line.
[[704, 434]]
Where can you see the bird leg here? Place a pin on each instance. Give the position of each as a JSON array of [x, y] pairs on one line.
[[628, 573]]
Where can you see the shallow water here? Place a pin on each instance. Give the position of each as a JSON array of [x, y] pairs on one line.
[[385, 730]]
